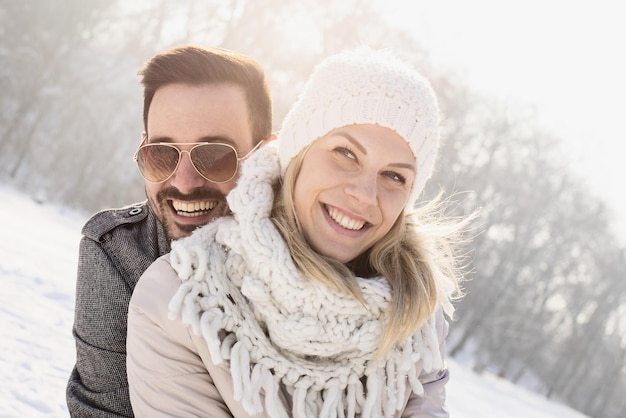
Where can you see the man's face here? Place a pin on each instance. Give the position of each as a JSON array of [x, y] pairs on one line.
[[182, 113]]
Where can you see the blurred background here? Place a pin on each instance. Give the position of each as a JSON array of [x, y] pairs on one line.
[[532, 98]]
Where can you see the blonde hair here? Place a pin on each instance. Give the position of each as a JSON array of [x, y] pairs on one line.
[[418, 252]]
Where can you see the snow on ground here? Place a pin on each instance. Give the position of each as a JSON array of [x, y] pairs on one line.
[[38, 254]]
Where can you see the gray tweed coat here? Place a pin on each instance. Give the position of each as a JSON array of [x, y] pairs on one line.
[[117, 246]]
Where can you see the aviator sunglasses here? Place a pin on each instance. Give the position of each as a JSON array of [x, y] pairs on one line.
[[216, 162]]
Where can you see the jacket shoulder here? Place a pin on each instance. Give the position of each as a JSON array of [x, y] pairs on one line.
[[107, 220]]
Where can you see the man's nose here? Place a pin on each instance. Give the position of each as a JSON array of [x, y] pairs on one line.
[[186, 178]]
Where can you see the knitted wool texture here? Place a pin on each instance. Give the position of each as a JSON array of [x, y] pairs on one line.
[[366, 86], [282, 328]]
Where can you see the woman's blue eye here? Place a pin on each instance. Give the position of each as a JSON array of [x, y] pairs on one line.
[[346, 152], [395, 177]]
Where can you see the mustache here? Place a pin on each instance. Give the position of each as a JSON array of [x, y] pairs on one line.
[[200, 193]]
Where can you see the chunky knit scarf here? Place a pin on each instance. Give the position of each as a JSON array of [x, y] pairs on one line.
[[283, 330]]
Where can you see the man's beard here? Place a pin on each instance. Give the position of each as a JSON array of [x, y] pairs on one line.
[[174, 230]]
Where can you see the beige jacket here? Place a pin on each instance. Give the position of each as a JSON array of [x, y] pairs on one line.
[[170, 371]]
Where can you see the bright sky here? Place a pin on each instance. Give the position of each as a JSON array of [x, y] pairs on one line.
[[566, 58]]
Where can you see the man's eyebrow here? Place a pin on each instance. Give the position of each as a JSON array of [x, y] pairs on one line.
[[156, 139], [361, 148], [211, 138], [219, 138]]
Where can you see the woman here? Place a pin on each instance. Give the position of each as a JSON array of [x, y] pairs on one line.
[[323, 295]]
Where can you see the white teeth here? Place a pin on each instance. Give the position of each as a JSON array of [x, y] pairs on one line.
[[193, 208], [343, 220]]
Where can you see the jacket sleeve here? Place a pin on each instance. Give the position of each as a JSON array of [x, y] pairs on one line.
[[166, 367], [432, 403], [116, 248], [97, 386]]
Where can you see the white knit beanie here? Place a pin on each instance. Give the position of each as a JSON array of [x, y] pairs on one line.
[[366, 86]]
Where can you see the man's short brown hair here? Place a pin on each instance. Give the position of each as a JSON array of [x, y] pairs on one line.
[[195, 65]]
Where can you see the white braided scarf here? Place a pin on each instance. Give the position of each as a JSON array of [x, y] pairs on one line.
[[283, 329]]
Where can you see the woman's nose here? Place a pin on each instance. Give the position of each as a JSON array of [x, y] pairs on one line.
[[363, 188]]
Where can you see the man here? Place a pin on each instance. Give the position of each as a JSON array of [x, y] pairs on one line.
[[192, 96]]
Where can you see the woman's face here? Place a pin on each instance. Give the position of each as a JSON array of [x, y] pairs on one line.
[[353, 184]]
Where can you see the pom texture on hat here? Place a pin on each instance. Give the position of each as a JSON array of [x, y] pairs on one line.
[[366, 86]]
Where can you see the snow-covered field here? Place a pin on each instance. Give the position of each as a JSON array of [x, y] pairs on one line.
[[38, 253]]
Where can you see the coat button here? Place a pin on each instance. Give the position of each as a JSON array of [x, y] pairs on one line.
[[134, 211]]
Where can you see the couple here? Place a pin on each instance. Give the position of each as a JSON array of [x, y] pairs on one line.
[[322, 295]]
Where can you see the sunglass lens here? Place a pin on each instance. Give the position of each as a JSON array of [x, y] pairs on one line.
[[216, 162], [157, 162]]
